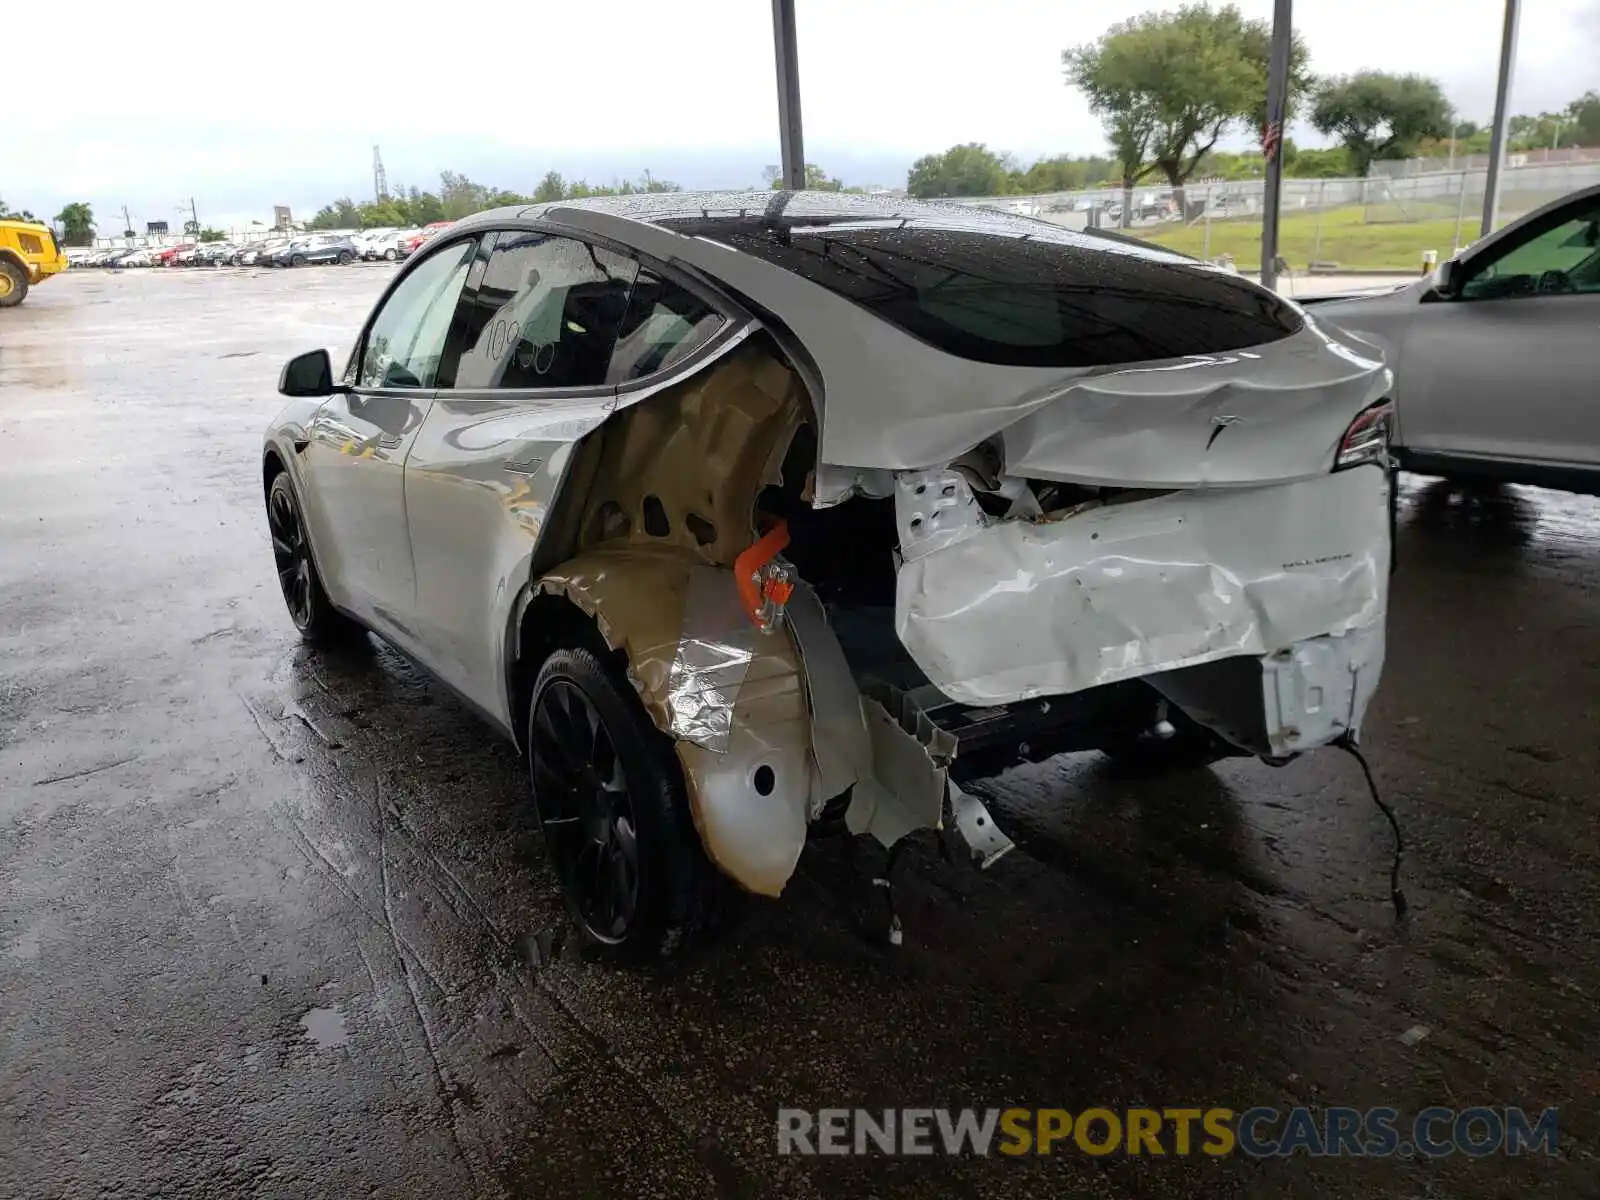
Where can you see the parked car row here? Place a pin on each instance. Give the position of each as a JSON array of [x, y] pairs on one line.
[[373, 245]]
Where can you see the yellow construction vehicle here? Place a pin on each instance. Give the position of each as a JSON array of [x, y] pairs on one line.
[[29, 254]]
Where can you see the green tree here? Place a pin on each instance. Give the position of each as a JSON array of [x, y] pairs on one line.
[[551, 187], [212, 235], [1380, 116], [9, 214], [341, 214], [77, 224], [1062, 173], [817, 180], [1332, 163], [422, 208], [461, 197], [387, 213], [1169, 85], [1584, 113], [971, 169]]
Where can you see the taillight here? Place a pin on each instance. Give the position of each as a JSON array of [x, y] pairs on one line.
[[1367, 439]]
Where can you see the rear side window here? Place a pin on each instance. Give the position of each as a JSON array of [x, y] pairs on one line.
[[545, 314], [665, 323], [1055, 299]]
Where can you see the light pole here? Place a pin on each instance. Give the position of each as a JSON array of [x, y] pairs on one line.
[[1272, 138], [1497, 137], [791, 140]]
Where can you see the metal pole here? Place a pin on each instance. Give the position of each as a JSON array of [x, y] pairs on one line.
[[790, 140], [1497, 138], [1277, 103], [1461, 211], [1322, 192]]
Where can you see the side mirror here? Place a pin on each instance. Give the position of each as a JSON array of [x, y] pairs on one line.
[[1446, 277], [308, 374]]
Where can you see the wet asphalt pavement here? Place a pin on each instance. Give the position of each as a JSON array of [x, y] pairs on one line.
[[275, 923]]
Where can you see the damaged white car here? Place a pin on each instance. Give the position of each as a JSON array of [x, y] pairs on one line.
[[742, 513]]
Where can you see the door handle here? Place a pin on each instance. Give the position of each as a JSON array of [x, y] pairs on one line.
[[390, 442], [526, 466]]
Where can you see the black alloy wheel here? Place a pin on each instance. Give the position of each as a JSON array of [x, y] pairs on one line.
[[609, 797], [586, 811], [309, 608]]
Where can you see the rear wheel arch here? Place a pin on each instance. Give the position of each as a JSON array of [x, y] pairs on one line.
[[547, 623]]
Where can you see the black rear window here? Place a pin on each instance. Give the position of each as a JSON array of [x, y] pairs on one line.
[[1011, 296]]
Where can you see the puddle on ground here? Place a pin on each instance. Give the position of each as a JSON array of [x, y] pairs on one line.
[[325, 1027]]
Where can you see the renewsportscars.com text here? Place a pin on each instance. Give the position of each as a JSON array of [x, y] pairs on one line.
[[1255, 1132]]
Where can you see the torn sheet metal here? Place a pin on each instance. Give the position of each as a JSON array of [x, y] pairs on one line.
[[1317, 691], [985, 843], [705, 676], [841, 748], [905, 792], [1284, 703], [1018, 609], [689, 646]]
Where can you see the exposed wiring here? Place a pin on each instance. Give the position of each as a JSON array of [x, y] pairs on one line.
[[1396, 896]]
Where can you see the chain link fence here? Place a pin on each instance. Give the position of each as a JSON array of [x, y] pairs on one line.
[[1383, 223]]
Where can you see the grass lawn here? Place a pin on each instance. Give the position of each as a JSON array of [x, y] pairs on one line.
[[1348, 239]]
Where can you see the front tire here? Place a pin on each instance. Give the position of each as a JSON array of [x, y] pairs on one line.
[[13, 284], [299, 260], [390, 255], [310, 609], [609, 797], [346, 258]]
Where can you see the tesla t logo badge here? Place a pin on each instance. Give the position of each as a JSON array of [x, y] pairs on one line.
[[1218, 424]]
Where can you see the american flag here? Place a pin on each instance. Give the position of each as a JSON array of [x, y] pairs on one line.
[[1271, 137]]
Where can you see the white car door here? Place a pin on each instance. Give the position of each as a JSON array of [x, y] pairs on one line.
[[1508, 365], [536, 329], [358, 442]]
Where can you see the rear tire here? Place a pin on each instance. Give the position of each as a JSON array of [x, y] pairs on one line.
[[13, 284], [390, 255], [346, 258], [609, 797]]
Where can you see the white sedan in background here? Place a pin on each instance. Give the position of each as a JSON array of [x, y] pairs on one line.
[[382, 244], [1497, 354]]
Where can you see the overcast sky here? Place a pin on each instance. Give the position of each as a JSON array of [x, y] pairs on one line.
[[244, 106]]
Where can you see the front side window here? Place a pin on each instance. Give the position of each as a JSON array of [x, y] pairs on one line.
[[1562, 256], [545, 315], [664, 323], [406, 344]]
